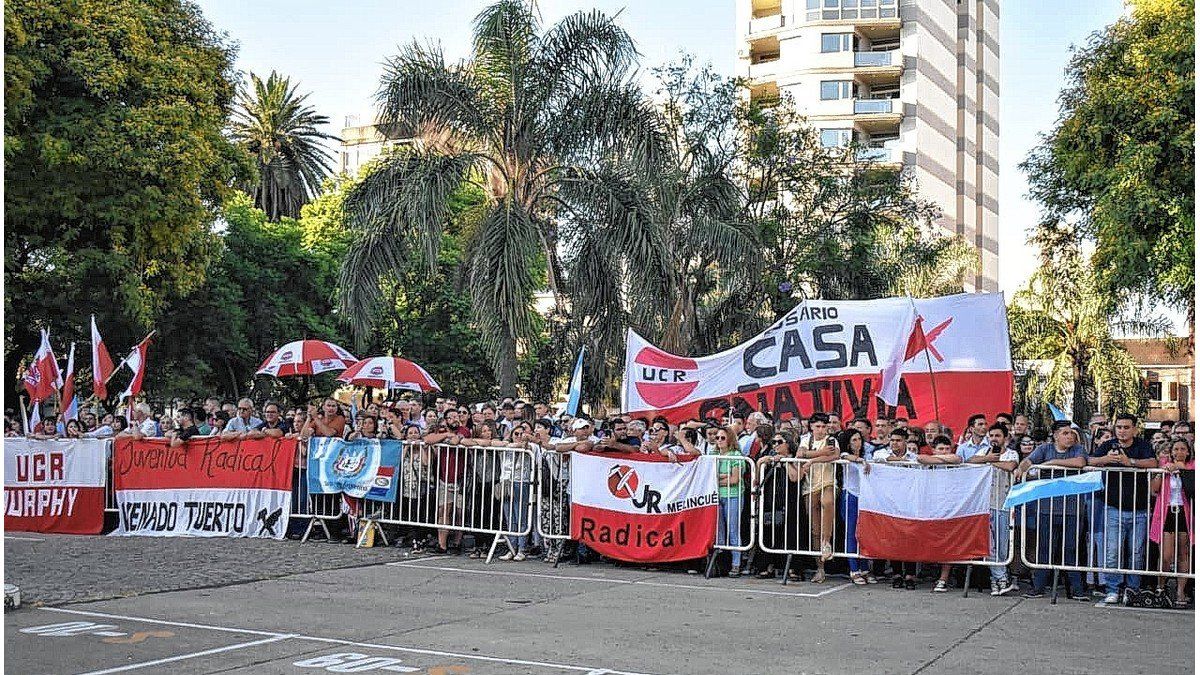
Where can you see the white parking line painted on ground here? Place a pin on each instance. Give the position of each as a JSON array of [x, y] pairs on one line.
[[193, 655], [16, 538], [627, 582], [275, 637]]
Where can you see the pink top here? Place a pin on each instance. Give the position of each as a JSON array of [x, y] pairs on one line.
[[1162, 503]]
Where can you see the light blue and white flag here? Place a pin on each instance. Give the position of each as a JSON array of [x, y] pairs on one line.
[[1058, 414], [363, 468], [1066, 486], [575, 392]]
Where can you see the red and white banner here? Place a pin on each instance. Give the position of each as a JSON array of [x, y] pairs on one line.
[[54, 486], [643, 508], [206, 487], [924, 515], [826, 356]]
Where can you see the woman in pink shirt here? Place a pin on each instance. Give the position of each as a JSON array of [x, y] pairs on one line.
[[1171, 524]]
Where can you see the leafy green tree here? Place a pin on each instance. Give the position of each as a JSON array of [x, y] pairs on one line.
[[114, 161], [1063, 316], [663, 250], [265, 287], [839, 228], [518, 120], [274, 124], [1120, 163]]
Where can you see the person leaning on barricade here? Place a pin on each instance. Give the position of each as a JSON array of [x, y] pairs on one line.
[[486, 480], [451, 469], [780, 497], [1171, 526], [729, 496], [996, 453], [187, 428], [853, 445], [898, 451], [1058, 530], [1127, 504], [941, 452], [555, 515]]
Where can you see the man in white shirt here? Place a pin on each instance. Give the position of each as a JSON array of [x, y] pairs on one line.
[[143, 422], [244, 422], [975, 439], [998, 454]]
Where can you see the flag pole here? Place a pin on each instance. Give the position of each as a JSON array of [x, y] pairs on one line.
[[937, 409], [126, 359], [24, 415]]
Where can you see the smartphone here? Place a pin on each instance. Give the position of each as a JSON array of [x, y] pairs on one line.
[[601, 433]]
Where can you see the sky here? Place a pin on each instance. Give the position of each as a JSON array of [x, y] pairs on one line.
[[335, 51]]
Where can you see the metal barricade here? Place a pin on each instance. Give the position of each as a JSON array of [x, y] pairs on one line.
[[737, 491], [805, 508], [554, 502], [458, 488], [1127, 529]]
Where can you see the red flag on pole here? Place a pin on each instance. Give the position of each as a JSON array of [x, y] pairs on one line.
[[43, 376], [137, 363], [102, 365], [70, 407]]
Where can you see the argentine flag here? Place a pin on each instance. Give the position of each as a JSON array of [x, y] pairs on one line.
[[1058, 414], [1031, 491], [575, 392]]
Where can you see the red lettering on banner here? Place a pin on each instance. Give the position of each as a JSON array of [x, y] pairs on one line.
[[147, 464]]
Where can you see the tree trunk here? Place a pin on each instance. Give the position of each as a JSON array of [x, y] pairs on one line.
[[1082, 408], [506, 370]]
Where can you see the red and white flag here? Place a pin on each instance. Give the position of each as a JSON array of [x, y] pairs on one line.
[[645, 509], [102, 365], [43, 377], [923, 515], [54, 486], [137, 363], [70, 407]]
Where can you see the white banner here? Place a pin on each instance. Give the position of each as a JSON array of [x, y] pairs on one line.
[[204, 512], [60, 463]]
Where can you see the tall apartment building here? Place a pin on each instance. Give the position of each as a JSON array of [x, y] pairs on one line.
[[914, 81]]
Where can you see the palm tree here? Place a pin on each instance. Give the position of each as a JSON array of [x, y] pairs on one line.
[[1062, 316], [529, 112], [665, 252], [273, 123]]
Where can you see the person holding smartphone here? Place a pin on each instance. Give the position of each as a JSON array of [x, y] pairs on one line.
[[1126, 504]]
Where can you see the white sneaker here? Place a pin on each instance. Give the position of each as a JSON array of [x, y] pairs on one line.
[[519, 557], [995, 588], [1111, 599], [939, 587], [1007, 586], [507, 556]]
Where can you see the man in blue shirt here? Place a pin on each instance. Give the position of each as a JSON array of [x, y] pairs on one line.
[[243, 422], [975, 440], [1058, 518], [1127, 503]]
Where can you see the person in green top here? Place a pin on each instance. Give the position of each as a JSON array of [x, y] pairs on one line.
[[729, 490]]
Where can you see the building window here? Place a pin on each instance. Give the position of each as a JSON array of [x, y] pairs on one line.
[[832, 10], [836, 138], [1154, 391], [832, 90], [838, 42]]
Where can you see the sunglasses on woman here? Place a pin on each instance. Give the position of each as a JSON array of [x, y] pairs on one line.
[[778, 441]]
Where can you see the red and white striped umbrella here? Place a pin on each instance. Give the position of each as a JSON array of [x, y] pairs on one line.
[[306, 357], [389, 372]]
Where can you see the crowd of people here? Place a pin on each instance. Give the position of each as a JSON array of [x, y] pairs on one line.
[[805, 505]]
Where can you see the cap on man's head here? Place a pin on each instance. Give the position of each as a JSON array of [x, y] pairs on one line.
[[580, 424]]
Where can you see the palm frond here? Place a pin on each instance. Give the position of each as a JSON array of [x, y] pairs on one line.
[[419, 90]]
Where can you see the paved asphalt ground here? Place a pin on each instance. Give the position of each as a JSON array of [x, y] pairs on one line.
[[108, 604]]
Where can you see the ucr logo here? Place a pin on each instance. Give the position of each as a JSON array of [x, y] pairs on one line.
[[377, 370], [663, 379], [622, 481], [285, 357]]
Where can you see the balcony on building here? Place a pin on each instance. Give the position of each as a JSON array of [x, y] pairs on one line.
[[764, 57], [765, 15], [765, 95]]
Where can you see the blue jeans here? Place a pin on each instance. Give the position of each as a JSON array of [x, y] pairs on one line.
[[999, 523], [516, 512], [848, 511], [1057, 533], [729, 526], [1119, 527]]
